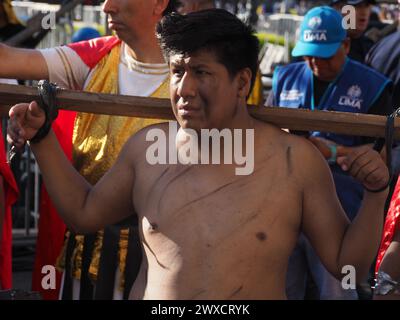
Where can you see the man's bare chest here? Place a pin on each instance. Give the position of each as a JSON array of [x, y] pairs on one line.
[[193, 202]]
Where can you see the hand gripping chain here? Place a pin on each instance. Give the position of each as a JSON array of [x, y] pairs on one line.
[[47, 102]]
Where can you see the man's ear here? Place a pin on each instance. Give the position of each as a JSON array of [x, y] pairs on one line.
[[244, 82], [347, 45], [160, 6]]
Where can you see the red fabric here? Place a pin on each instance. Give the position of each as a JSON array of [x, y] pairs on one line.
[[51, 227], [92, 51], [392, 223], [11, 194]]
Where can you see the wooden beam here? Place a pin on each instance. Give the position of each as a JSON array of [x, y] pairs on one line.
[[293, 119]]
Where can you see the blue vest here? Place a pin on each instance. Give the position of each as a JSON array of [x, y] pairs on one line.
[[355, 90], [349, 92]]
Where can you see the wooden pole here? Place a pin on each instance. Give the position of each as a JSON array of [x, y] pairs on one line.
[[293, 119]]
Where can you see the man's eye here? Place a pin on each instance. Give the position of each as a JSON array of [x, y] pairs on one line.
[[202, 72], [178, 72]]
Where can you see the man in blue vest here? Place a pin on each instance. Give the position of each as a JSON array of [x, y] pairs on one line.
[[328, 80]]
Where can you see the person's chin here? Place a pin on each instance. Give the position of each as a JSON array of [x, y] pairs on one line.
[[190, 123], [118, 31]]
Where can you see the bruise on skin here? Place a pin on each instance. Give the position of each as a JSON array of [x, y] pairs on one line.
[[205, 196], [155, 183], [250, 218], [235, 292], [261, 236], [289, 160], [185, 170], [155, 257]]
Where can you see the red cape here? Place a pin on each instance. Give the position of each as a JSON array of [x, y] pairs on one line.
[[51, 228], [11, 195], [392, 223]]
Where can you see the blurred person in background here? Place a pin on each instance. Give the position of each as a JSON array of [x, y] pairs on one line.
[[360, 44]]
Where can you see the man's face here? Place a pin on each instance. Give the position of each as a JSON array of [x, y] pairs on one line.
[[132, 17], [327, 69], [203, 94], [363, 12]]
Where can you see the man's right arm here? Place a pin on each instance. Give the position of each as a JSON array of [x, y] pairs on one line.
[[17, 63], [84, 208]]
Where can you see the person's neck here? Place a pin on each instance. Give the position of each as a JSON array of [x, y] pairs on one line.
[[243, 120], [198, 139], [145, 51]]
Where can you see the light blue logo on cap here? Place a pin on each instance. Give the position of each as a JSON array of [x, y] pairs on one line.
[[321, 33], [314, 22]]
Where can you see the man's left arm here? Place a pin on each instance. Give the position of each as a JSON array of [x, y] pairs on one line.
[[336, 241]]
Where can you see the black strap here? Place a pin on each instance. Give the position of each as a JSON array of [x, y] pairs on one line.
[[108, 264], [388, 139], [68, 278], [134, 257], [47, 101], [86, 284]]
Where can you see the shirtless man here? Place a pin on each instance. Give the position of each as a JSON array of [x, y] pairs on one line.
[[200, 222]]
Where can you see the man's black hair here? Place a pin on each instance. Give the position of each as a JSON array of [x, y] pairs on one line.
[[215, 30], [173, 5]]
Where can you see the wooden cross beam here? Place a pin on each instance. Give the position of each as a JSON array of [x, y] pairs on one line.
[[294, 119]]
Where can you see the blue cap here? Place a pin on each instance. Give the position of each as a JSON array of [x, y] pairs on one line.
[[321, 33], [85, 33]]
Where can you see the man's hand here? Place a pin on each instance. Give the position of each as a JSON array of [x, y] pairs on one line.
[[366, 165], [25, 121]]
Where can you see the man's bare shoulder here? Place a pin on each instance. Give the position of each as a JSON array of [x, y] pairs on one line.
[[304, 156], [279, 136], [137, 144]]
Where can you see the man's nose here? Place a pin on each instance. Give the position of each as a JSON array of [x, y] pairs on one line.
[[110, 6], [187, 86]]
